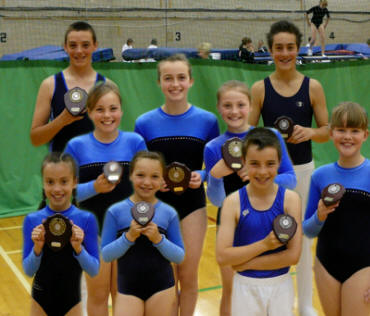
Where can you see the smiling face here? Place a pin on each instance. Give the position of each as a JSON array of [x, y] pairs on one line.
[[80, 46], [284, 50], [175, 81], [262, 166], [233, 106], [146, 178], [348, 141], [106, 115], [58, 182]]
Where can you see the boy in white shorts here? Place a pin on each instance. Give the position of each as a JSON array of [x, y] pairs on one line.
[[262, 285]]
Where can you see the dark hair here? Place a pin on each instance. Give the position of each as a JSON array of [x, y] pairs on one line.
[[80, 26], [154, 41], [172, 59], [283, 27], [129, 41], [144, 154], [99, 90], [262, 137], [349, 114], [56, 157]]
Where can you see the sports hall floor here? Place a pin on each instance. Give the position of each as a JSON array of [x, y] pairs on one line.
[[15, 285]]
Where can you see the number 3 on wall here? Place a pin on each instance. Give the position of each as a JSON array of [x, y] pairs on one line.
[[2, 37], [178, 36]]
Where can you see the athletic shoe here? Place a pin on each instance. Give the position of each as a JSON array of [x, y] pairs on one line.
[[323, 55]]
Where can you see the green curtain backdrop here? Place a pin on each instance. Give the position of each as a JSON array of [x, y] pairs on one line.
[[20, 182]]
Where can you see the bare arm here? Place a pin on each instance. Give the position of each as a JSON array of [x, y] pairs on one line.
[[43, 131], [220, 170], [285, 258], [320, 134], [326, 22], [320, 112], [226, 254], [308, 19], [258, 95]]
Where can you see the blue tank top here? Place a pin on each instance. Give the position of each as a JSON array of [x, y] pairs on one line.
[[254, 225], [57, 106], [298, 108]]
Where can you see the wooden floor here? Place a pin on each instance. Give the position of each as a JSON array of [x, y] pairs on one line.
[[15, 285]]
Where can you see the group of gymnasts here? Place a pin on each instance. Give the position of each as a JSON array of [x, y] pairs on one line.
[[153, 269]]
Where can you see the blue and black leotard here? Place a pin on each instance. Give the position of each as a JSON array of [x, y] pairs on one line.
[[218, 189], [56, 285], [343, 238], [144, 268], [180, 138], [91, 155]]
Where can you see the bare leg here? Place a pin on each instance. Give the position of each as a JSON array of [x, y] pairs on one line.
[[329, 290], [227, 274], [193, 228], [322, 38], [98, 289], [113, 284], [128, 305], [353, 289], [160, 304], [36, 309], [75, 310], [313, 35]]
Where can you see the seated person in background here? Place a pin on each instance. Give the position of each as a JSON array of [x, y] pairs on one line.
[[246, 51], [129, 44], [153, 43], [204, 50], [261, 48]]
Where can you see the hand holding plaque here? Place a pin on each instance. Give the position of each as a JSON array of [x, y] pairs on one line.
[[75, 100], [232, 153], [284, 227], [112, 171], [332, 193], [142, 212], [177, 177], [58, 231], [285, 125]]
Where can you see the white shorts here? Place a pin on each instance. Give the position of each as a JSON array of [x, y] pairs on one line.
[[262, 297]]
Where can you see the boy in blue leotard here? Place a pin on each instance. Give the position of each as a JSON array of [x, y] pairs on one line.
[[233, 103], [245, 239], [342, 265]]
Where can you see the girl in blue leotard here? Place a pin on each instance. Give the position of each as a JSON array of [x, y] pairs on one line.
[[56, 285], [94, 192], [180, 130], [342, 265], [146, 283], [233, 103]]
